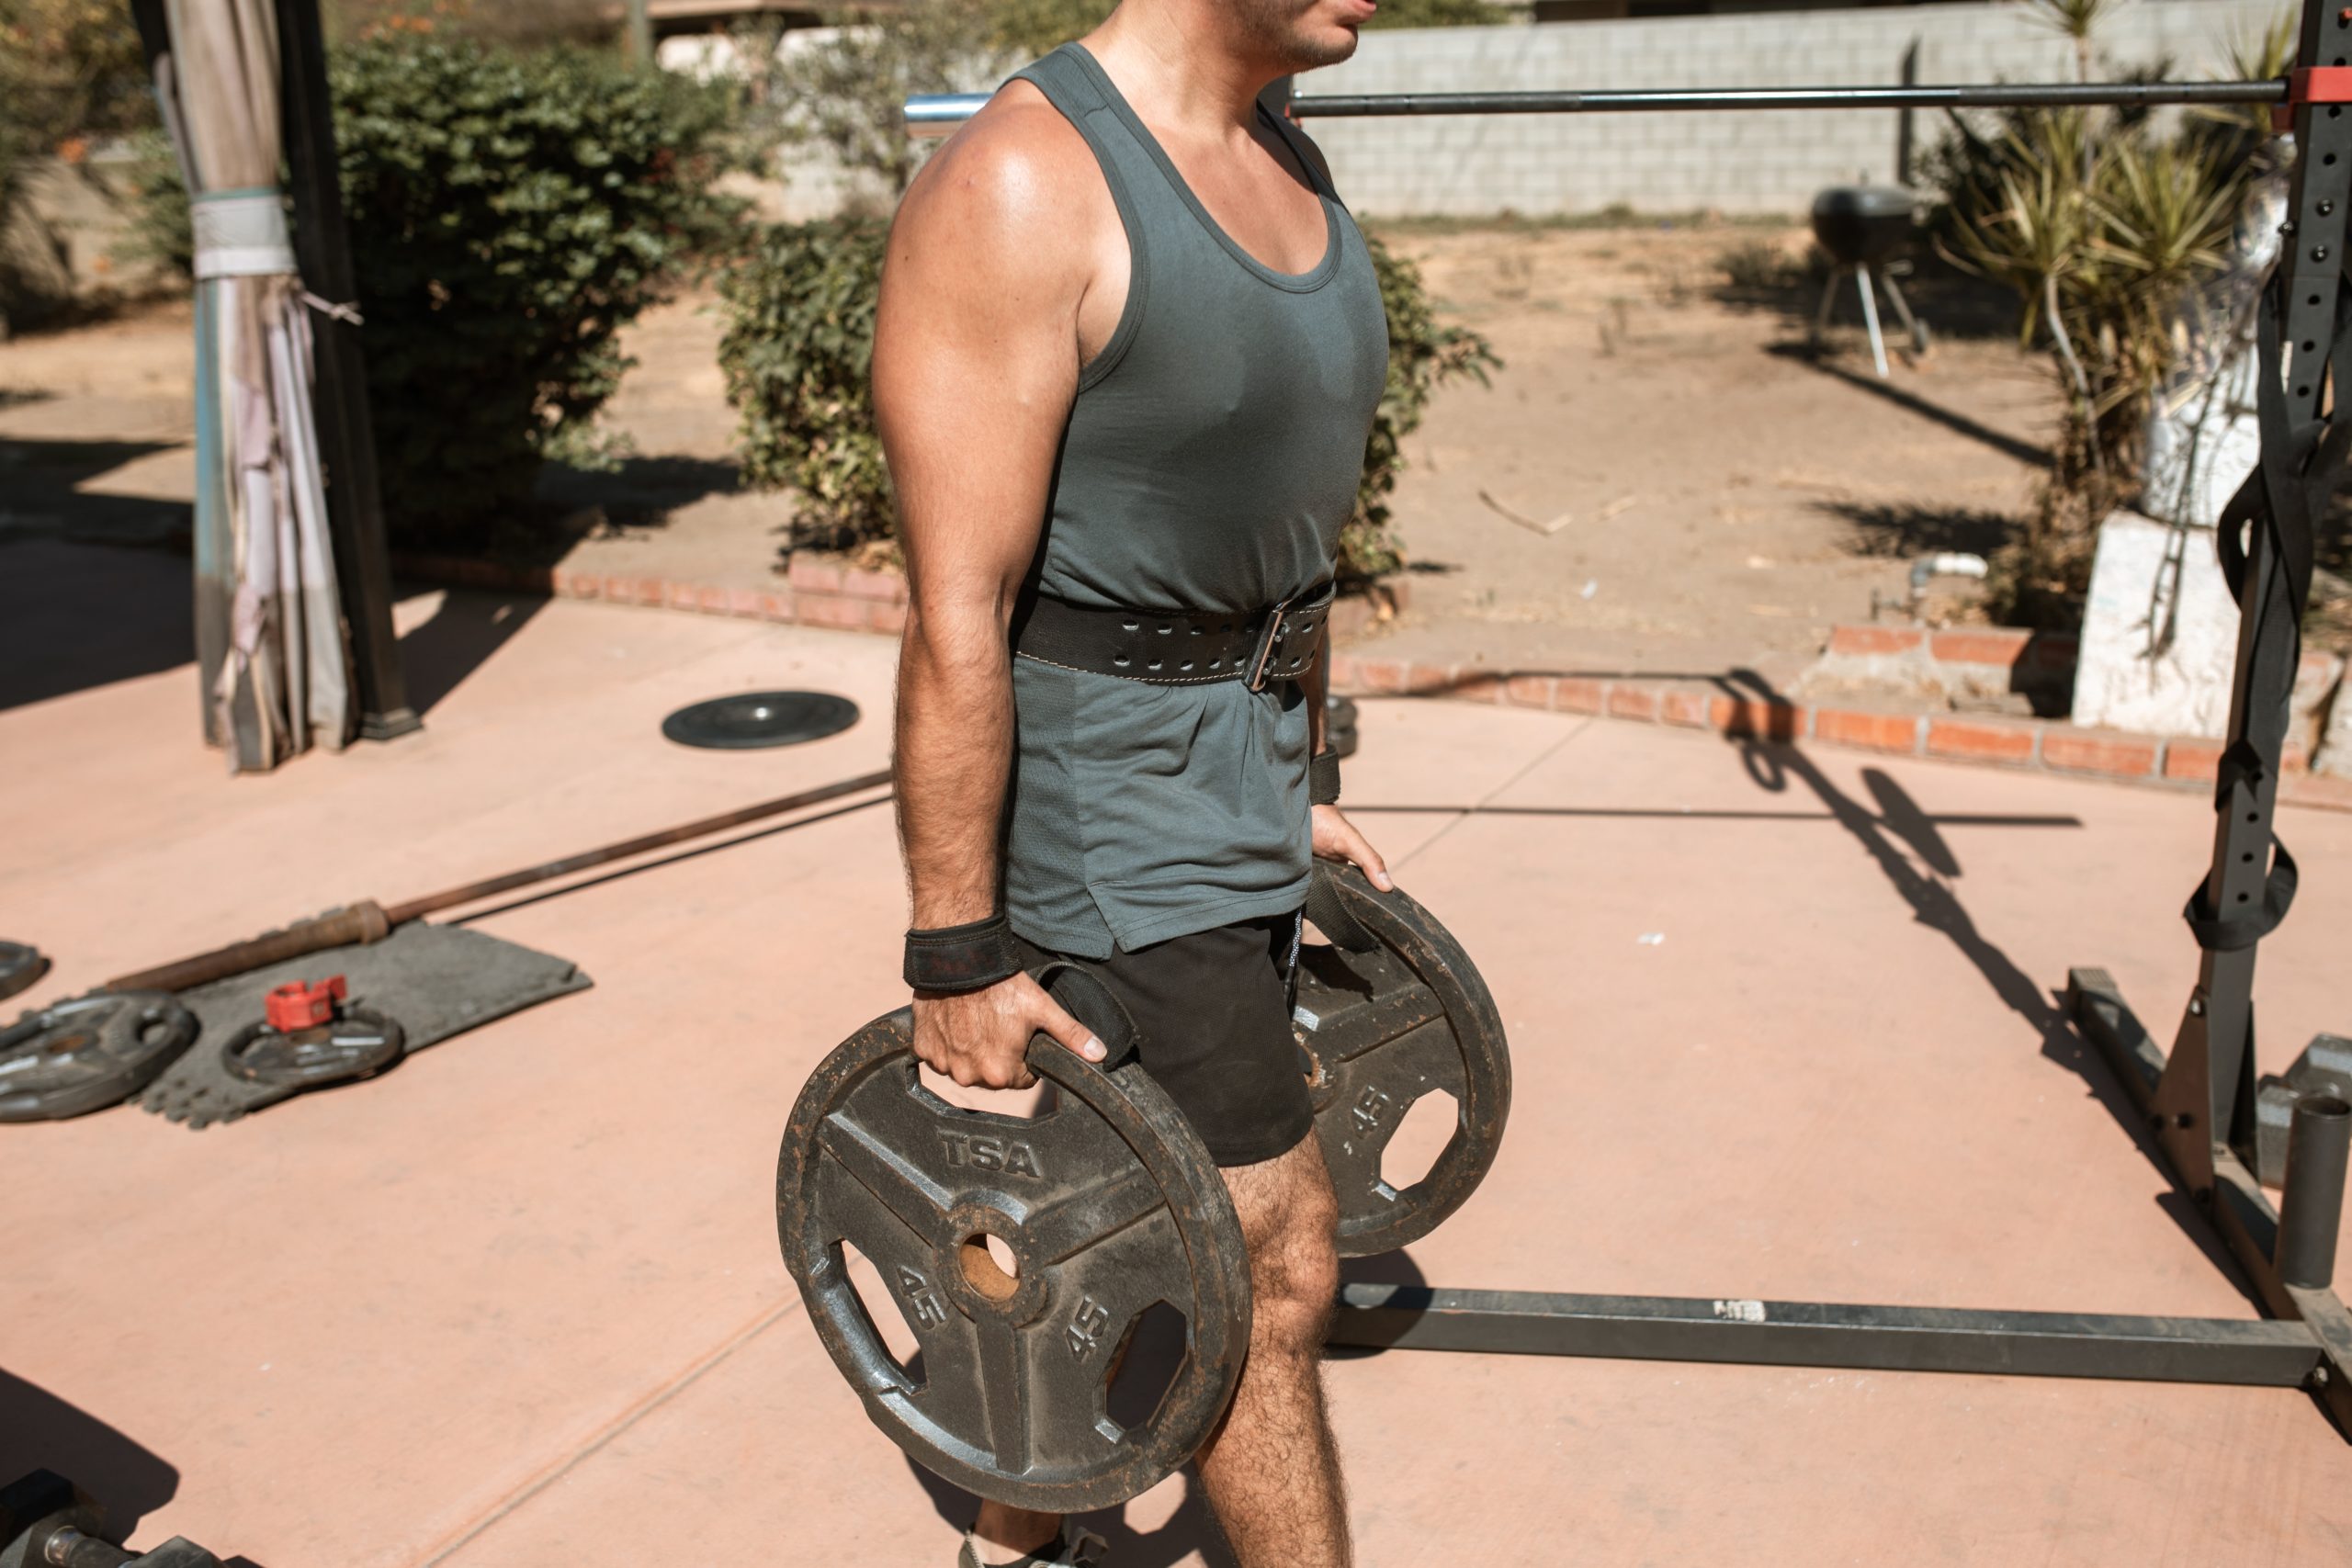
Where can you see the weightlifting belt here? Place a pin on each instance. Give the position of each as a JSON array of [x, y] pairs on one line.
[[1179, 648]]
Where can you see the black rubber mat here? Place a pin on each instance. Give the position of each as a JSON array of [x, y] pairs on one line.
[[435, 981]]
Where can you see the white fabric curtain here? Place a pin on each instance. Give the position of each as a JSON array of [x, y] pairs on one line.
[[271, 646]]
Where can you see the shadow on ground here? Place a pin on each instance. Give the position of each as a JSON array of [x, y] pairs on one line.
[[1924, 878], [40, 1431], [1902, 397], [459, 638], [1952, 303], [42, 494], [1905, 530], [76, 616], [638, 493]]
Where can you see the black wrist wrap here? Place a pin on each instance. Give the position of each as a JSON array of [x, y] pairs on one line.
[[962, 958], [1323, 780]]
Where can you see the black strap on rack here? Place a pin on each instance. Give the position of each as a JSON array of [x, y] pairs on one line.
[[2292, 479]]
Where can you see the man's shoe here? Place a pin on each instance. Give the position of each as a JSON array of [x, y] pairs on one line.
[[1078, 1548]]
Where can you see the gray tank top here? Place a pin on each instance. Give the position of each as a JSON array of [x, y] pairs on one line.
[[1212, 455]]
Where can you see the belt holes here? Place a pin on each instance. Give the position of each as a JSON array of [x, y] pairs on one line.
[[1214, 663], [1196, 631], [1127, 625], [1153, 665], [1120, 660], [1186, 666], [1165, 630]]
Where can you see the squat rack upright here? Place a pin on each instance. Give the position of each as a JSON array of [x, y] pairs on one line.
[[2198, 1098]]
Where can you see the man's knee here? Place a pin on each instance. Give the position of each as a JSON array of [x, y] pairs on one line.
[[1294, 1270]]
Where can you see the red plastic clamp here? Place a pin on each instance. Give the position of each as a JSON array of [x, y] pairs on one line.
[[301, 1004]]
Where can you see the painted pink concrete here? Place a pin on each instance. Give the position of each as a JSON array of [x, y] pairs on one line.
[[518, 1301]]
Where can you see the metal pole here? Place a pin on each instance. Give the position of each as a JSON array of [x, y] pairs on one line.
[[1823, 1334], [2311, 1209], [937, 114], [363, 565], [640, 34]]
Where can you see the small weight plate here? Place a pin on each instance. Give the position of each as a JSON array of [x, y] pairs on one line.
[[1108, 1205], [90, 1052], [358, 1042], [19, 966], [1381, 1030], [757, 720]]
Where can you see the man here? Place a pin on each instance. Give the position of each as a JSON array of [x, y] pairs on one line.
[[1129, 351]]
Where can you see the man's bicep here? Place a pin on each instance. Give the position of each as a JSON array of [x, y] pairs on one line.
[[975, 365]]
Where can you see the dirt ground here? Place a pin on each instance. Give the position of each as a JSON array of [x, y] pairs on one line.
[[1661, 477], [1658, 479]]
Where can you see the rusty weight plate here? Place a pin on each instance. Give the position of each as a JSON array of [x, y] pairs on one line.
[[1107, 1205], [89, 1053], [20, 966], [1382, 1029]]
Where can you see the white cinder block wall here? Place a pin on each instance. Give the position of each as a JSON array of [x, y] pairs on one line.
[[1479, 166], [1750, 162]]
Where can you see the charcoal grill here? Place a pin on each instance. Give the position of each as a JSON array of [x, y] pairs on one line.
[[1864, 227]]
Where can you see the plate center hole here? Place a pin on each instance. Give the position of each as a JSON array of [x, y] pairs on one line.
[[989, 1267]]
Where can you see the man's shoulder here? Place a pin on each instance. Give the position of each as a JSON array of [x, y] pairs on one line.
[[1017, 166]]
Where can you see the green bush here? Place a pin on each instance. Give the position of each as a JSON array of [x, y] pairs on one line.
[[510, 213], [798, 357], [799, 354]]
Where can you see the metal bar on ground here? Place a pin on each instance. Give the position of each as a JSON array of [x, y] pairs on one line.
[[936, 114], [368, 921], [2251, 1351]]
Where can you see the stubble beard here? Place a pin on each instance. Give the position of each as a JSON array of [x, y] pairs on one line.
[[1275, 27]]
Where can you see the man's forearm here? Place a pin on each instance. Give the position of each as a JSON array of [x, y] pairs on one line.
[[955, 751]]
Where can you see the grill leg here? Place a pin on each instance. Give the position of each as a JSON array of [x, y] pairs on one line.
[[1870, 314], [1821, 317], [1912, 323]]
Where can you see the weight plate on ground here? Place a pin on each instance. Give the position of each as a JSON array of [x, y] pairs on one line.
[[1340, 726], [89, 1053], [1108, 1205], [19, 966], [756, 720], [357, 1043], [1381, 1030]]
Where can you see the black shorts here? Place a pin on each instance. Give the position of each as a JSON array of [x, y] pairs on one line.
[[1211, 1014]]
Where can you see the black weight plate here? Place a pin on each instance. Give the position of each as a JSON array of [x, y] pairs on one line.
[[756, 720], [19, 966], [1109, 1205], [1381, 1030], [1340, 726], [89, 1053], [357, 1043]]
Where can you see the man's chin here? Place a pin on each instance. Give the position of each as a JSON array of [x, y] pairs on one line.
[[1325, 47]]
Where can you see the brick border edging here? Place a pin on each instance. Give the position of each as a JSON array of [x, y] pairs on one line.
[[2051, 745], [846, 599], [813, 594]]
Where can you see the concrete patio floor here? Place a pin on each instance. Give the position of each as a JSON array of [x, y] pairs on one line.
[[518, 1303]]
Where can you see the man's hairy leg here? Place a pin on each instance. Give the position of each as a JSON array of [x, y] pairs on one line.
[[1272, 1471]]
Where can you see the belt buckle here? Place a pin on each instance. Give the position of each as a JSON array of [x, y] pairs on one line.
[[1265, 656]]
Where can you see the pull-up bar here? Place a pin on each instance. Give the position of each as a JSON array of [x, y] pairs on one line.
[[937, 114]]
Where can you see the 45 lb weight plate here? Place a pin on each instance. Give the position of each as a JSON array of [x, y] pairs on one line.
[[1107, 1204], [90, 1052], [1404, 1017]]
